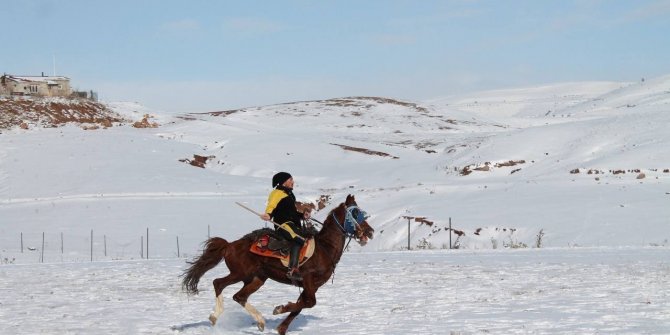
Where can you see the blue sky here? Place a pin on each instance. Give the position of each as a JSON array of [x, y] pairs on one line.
[[184, 56]]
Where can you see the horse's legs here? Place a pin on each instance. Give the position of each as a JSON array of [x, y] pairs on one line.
[[306, 300], [219, 285], [218, 310], [243, 294], [283, 327]]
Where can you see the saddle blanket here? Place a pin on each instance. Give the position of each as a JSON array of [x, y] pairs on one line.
[[260, 247]]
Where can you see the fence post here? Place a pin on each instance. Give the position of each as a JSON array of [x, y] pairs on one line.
[[105, 239], [42, 247], [449, 232], [178, 256], [409, 218], [142, 247], [61, 243]]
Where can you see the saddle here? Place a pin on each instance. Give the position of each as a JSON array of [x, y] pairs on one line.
[[269, 244]]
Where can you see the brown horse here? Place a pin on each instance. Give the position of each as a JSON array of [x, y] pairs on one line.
[[345, 221]]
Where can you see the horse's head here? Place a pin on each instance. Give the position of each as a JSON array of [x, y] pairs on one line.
[[356, 221]]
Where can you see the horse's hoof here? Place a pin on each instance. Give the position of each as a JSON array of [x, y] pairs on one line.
[[212, 319], [278, 310], [281, 330], [261, 325]]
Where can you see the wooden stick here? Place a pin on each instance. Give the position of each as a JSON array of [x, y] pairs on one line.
[[260, 215]]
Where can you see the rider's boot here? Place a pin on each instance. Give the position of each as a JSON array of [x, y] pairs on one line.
[[294, 273]]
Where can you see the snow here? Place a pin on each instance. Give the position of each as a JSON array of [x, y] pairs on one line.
[[48, 79], [531, 291], [529, 101], [544, 250]]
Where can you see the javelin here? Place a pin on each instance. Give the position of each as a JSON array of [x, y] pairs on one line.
[[260, 215]]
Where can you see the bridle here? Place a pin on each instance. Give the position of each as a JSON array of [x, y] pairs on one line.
[[353, 217]]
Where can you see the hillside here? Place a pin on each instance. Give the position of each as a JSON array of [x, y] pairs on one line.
[[54, 112], [425, 158], [588, 172]]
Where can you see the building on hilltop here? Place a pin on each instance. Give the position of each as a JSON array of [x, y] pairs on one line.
[[41, 86]]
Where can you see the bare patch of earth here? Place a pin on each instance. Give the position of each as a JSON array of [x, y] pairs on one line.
[[364, 151], [488, 166], [54, 112]]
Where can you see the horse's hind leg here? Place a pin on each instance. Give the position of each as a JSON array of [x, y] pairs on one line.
[[243, 294], [219, 285], [218, 310]]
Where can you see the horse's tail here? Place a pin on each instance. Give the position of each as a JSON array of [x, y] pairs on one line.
[[211, 257]]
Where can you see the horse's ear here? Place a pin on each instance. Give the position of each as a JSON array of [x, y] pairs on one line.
[[350, 199]]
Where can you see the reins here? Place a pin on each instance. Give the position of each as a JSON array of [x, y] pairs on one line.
[[343, 230], [348, 216]]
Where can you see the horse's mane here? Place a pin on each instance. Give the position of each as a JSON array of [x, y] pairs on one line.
[[331, 214]]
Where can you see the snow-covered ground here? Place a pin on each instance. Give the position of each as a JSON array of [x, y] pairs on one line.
[[572, 180], [532, 291]]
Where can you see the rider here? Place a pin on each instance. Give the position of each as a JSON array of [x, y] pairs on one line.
[[282, 210]]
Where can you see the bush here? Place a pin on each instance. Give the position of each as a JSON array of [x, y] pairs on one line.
[[538, 239]]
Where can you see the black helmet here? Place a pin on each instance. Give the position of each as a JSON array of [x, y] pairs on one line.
[[280, 178]]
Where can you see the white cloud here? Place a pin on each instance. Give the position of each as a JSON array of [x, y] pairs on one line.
[[252, 26], [181, 26], [393, 39], [655, 8]]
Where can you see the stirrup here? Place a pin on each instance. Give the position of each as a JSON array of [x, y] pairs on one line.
[[294, 274]]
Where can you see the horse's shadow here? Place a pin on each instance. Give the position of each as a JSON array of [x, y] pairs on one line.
[[187, 326], [242, 322], [297, 324]]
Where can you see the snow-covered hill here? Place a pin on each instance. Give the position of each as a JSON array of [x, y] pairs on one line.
[[579, 164]]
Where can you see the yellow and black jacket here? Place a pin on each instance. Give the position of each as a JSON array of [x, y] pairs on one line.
[[282, 210]]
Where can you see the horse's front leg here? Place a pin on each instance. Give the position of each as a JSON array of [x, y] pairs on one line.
[[283, 327], [306, 300]]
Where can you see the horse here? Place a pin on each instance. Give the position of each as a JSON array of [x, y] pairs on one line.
[[345, 221]]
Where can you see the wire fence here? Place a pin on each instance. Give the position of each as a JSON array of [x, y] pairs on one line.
[[50, 247]]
